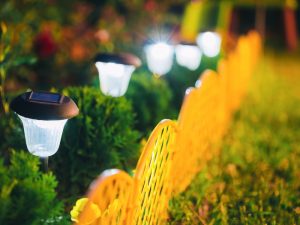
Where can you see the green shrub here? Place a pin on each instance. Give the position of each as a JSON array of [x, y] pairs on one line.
[[100, 137], [27, 196], [151, 99]]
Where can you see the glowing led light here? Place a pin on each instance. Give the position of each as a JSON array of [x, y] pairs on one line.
[[44, 115], [42, 136], [209, 43], [114, 78], [115, 71], [188, 56], [159, 57]]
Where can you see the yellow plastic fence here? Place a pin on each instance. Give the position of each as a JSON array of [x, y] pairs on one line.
[[147, 190], [108, 198], [197, 127], [151, 193], [176, 151]]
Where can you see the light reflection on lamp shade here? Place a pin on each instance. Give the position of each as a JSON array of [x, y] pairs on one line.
[[188, 56], [114, 78], [209, 43], [159, 57], [42, 136]]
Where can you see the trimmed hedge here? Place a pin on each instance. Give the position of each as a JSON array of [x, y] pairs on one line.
[[151, 99], [100, 137]]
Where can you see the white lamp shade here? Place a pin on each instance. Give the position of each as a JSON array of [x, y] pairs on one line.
[[114, 77], [42, 136], [209, 43], [188, 56], [159, 57]]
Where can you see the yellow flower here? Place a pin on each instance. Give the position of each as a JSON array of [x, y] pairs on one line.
[[85, 212]]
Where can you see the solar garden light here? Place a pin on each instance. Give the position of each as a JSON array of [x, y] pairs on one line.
[[44, 116], [159, 57], [115, 72], [188, 55], [210, 43]]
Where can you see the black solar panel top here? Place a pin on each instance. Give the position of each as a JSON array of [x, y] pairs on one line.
[[45, 97]]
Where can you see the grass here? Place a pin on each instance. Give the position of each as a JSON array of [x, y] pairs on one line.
[[256, 178]]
